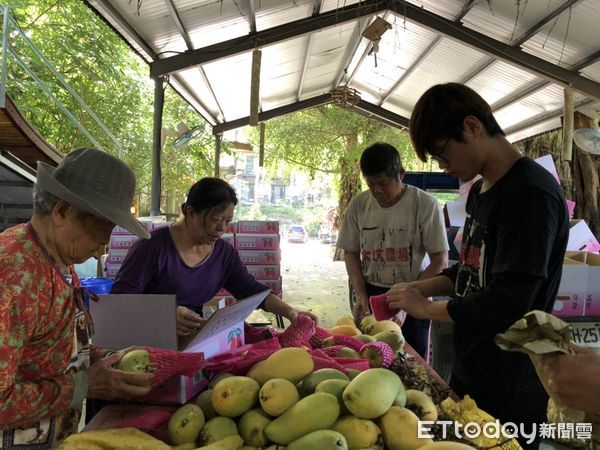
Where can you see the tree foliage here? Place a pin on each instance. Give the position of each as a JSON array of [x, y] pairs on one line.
[[113, 81], [329, 139]]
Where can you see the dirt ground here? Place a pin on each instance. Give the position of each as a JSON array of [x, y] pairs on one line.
[[312, 281]]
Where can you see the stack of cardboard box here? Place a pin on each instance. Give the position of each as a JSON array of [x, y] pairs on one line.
[[579, 290]]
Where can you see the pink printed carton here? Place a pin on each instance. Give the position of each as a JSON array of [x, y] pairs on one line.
[[274, 285], [264, 272], [257, 241], [258, 227], [122, 241], [232, 228], [157, 328], [570, 299], [253, 257], [592, 297]]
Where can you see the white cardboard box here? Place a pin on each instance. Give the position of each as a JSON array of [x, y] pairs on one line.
[[592, 296], [150, 320], [581, 237]]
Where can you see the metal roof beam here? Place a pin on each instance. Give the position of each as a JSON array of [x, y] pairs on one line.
[[316, 10], [498, 49], [263, 38], [116, 15], [178, 23], [541, 118], [351, 51], [519, 41], [464, 11], [250, 11], [388, 117], [263, 116], [539, 85], [534, 29]]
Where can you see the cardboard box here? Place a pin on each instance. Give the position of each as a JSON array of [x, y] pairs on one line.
[[264, 272], [122, 241], [592, 296], [117, 256], [570, 299], [258, 227], [156, 327], [232, 228], [275, 285], [581, 237], [257, 241], [254, 257]]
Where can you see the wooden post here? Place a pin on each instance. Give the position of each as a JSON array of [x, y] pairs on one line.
[[255, 87], [261, 146], [218, 140], [568, 121]]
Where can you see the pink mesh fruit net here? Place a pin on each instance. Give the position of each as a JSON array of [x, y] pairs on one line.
[[168, 363], [349, 341], [238, 361], [317, 338], [148, 420], [298, 335]]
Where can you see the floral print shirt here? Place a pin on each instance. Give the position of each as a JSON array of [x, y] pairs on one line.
[[43, 335]]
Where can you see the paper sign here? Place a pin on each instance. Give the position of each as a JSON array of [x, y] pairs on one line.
[[380, 309]]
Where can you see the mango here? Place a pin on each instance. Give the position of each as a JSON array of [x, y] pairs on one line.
[[359, 433], [204, 401], [371, 393], [393, 338], [344, 330], [216, 429], [384, 325], [335, 387], [316, 412], [233, 396], [399, 427], [400, 399], [137, 361], [347, 352], [365, 338], [186, 446], [353, 373], [426, 409], [213, 382], [277, 395], [446, 445], [185, 424], [292, 363], [321, 440], [252, 427], [346, 320], [228, 443], [310, 383], [366, 323]]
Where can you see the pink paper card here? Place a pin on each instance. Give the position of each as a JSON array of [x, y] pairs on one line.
[[380, 309]]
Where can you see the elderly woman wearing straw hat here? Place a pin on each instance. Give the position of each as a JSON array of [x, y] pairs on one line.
[[47, 365], [190, 260]]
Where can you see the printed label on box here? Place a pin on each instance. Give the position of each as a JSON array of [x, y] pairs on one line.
[[270, 272], [274, 285], [257, 241], [253, 257], [258, 227]]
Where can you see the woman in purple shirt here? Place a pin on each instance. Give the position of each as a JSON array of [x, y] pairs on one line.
[[190, 260]]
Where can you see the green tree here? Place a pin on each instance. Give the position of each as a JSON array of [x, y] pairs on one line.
[[329, 139], [113, 81]]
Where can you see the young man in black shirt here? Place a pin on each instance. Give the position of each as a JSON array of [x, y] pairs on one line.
[[513, 244]]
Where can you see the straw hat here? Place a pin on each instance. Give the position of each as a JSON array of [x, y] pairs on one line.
[[95, 182]]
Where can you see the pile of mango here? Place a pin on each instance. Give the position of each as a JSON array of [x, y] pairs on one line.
[[284, 403]]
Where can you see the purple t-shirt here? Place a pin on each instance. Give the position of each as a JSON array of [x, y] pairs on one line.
[[154, 266]]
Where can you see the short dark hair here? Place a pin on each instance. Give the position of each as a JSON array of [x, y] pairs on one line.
[[440, 112], [381, 158], [209, 193]]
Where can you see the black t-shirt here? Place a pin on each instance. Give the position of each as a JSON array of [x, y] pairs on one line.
[[511, 257]]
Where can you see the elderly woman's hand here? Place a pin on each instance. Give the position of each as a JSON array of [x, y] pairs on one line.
[[106, 382]]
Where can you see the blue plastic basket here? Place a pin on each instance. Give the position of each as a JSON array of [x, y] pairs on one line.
[[97, 286]]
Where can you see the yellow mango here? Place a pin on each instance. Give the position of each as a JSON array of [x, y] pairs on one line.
[[233, 396], [359, 433], [371, 393], [292, 363], [400, 429]]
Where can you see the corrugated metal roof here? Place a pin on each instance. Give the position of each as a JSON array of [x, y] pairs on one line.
[[310, 47]]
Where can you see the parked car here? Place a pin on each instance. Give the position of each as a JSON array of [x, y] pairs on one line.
[[297, 233], [327, 236]]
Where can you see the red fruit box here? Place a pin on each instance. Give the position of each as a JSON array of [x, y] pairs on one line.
[[232, 228], [257, 241], [253, 257], [122, 241], [274, 285], [258, 227], [264, 272]]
